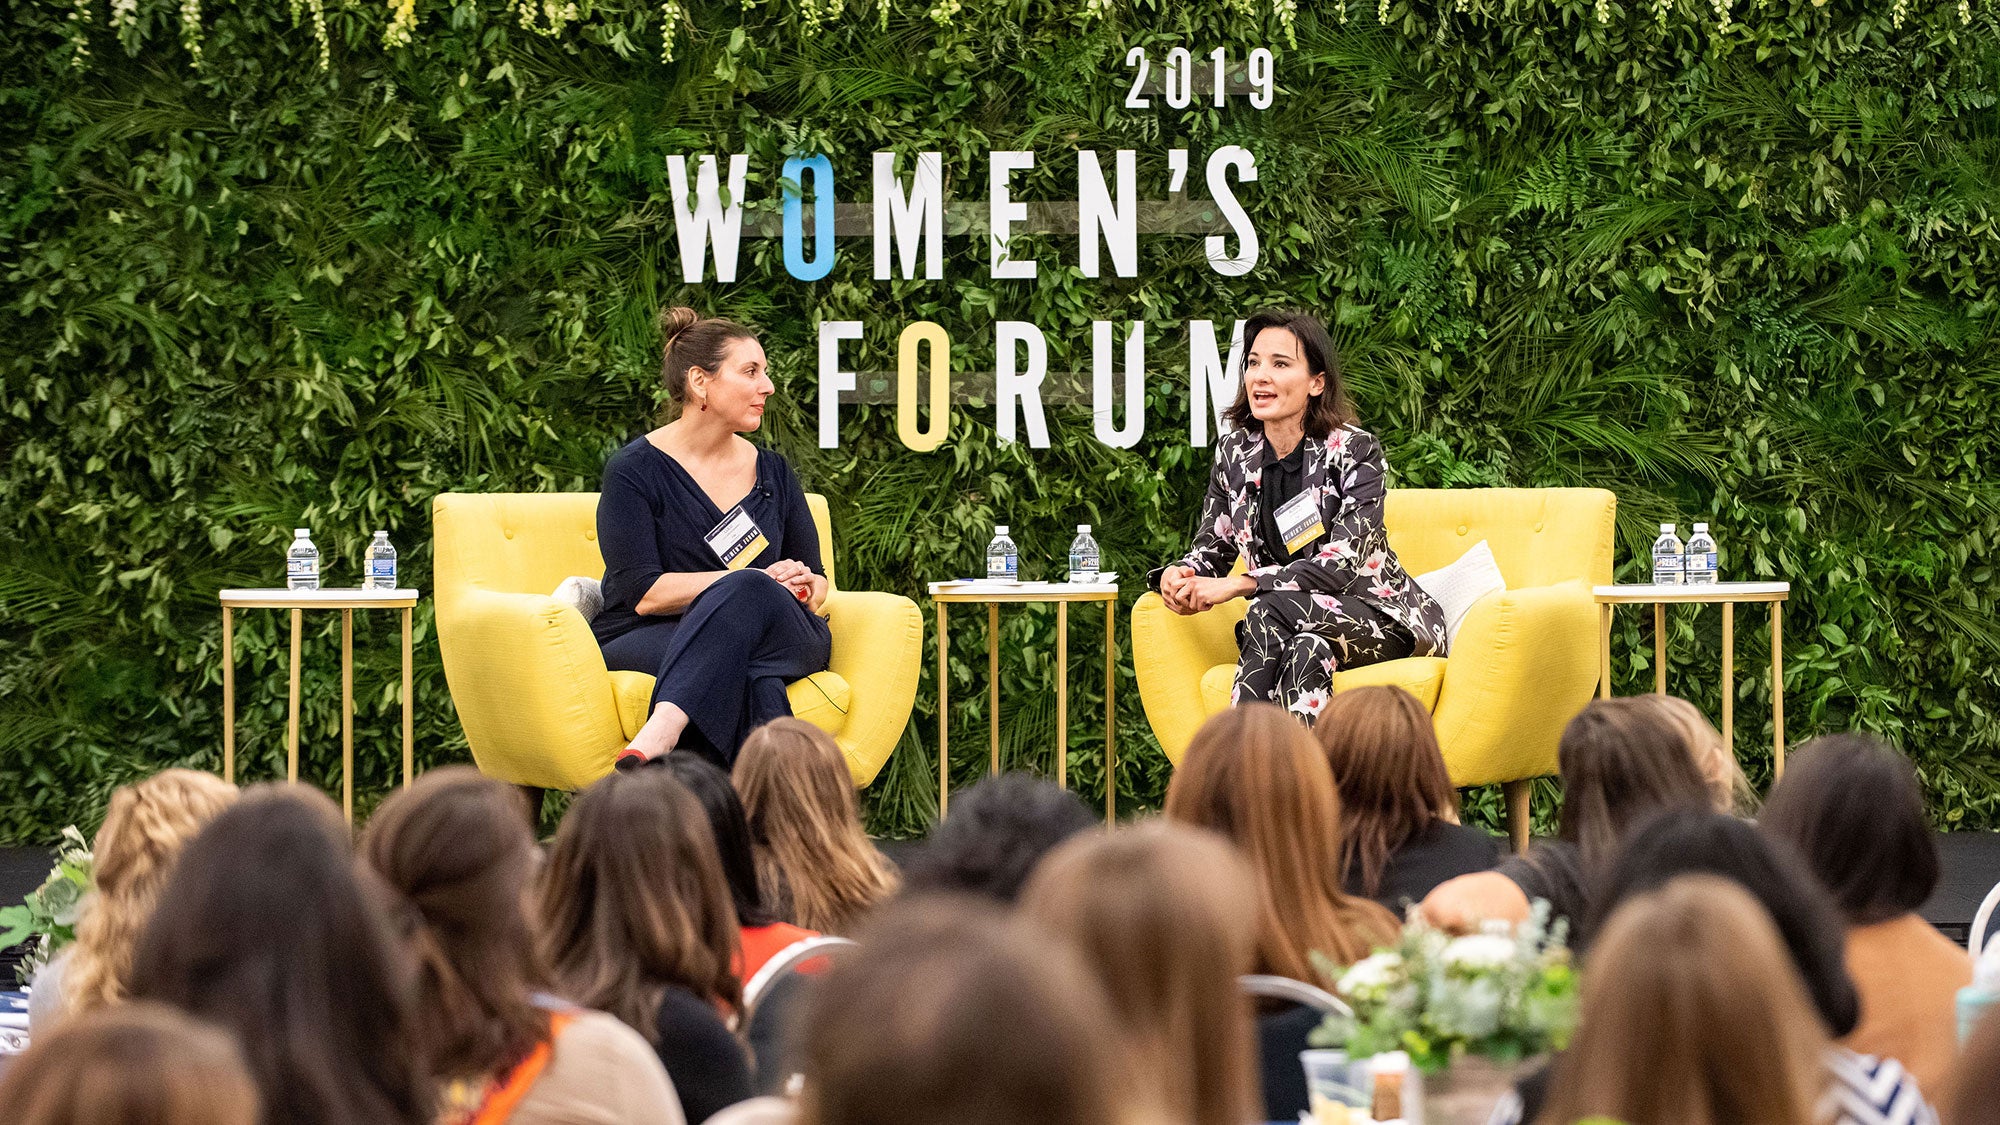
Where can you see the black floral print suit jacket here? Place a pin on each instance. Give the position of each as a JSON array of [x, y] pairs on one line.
[[1351, 558]]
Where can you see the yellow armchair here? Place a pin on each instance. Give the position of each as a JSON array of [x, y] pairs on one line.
[[537, 704], [1524, 663]]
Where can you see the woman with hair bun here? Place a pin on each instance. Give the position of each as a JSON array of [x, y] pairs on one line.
[[712, 575]]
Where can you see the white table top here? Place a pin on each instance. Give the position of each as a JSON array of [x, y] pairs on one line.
[[280, 597], [1709, 592], [987, 590]]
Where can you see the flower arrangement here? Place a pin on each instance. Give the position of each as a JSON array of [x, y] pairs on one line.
[[48, 915], [1495, 994]]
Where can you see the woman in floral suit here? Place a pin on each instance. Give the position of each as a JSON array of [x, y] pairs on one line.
[[1297, 492]]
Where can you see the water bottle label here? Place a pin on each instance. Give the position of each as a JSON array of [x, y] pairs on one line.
[[302, 568], [996, 566], [382, 568]]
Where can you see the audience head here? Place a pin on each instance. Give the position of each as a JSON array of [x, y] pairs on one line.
[[724, 808], [457, 849], [1166, 916], [143, 833], [1853, 808], [132, 1064], [1692, 1014], [1691, 841], [1621, 760], [814, 861], [998, 830], [950, 1010], [1256, 776], [634, 902], [1392, 778], [1728, 790], [268, 929]]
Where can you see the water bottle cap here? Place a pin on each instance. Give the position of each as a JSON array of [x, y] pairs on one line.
[[1700, 527], [301, 532], [1000, 530], [1083, 528], [1666, 529], [381, 535]]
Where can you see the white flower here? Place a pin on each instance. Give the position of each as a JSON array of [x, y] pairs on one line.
[[671, 15], [1372, 975], [1476, 952], [1310, 703]]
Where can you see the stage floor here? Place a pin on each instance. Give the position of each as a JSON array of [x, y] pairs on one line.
[[1971, 867]]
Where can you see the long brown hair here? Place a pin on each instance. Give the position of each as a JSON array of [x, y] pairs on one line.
[[456, 846], [142, 1064], [1622, 759], [951, 1010], [1393, 783], [814, 862], [634, 902], [1258, 778], [1693, 1014], [135, 850], [1166, 916], [270, 929], [1326, 411]]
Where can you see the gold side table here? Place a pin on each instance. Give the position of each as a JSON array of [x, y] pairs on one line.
[[1063, 594], [1728, 594], [298, 601]]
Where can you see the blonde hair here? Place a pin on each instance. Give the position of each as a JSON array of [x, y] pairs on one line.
[[134, 853], [815, 865], [1729, 790], [1693, 1014], [1167, 917], [1258, 778]]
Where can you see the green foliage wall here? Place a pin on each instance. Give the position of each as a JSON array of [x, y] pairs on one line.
[[1747, 275]]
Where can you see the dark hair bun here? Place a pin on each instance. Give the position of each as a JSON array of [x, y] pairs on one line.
[[676, 320]]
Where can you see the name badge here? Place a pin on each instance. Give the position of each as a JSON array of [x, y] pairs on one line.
[[737, 539], [1299, 522]]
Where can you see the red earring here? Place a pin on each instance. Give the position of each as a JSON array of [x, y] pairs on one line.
[[704, 406]]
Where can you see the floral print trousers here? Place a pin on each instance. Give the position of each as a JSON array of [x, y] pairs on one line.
[[1293, 641]]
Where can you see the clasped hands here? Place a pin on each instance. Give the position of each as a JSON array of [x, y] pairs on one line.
[[797, 577], [1187, 593]]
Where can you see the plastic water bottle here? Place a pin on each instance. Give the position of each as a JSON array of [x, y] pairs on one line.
[[1976, 998], [381, 574], [1667, 560], [1003, 559], [1083, 556], [1700, 557], [302, 562]]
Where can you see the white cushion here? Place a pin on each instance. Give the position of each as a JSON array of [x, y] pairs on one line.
[[1459, 586], [585, 594]]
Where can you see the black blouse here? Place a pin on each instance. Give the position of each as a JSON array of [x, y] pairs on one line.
[[653, 518], [1282, 481]]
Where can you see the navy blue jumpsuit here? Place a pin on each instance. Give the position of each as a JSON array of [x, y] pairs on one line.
[[726, 658]]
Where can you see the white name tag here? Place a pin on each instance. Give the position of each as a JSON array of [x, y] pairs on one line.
[[1299, 522], [737, 539]]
